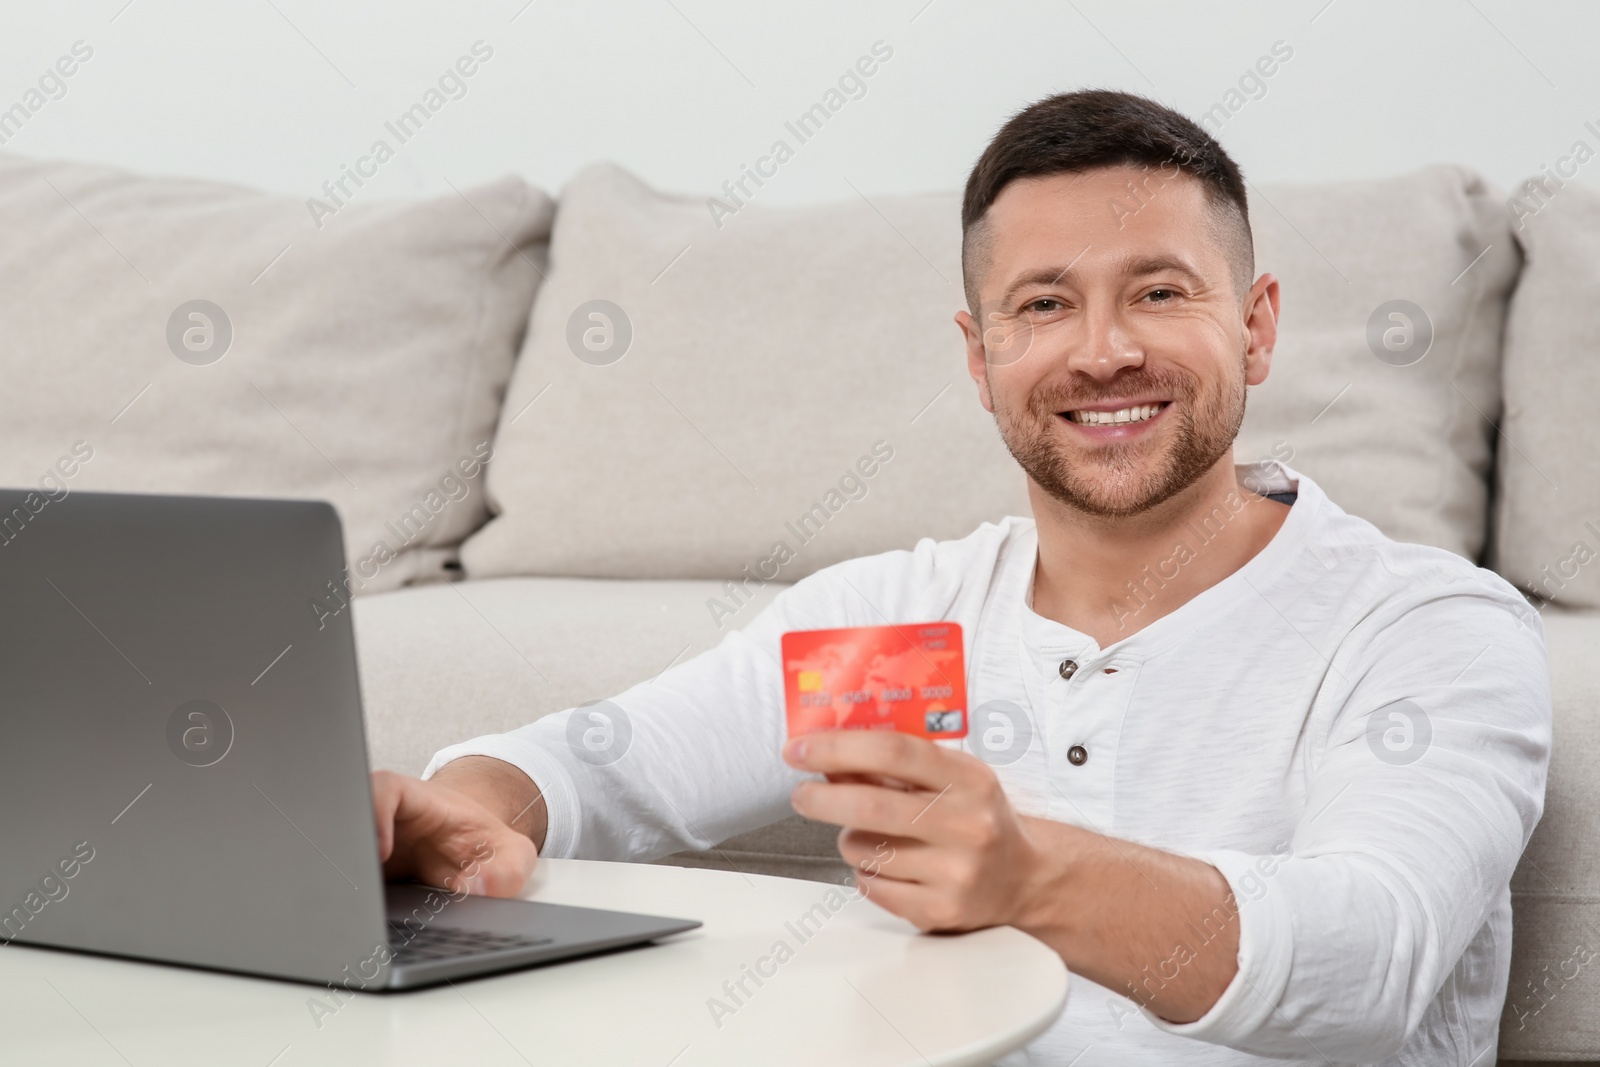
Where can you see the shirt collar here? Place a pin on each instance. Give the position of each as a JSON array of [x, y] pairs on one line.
[[1046, 637]]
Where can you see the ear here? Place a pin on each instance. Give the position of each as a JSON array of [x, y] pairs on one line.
[[977, 357], [1260, 313]]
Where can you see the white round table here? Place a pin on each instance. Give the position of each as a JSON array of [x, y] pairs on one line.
[[855, 986]]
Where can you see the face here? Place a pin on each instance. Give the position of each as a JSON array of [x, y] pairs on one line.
[[1110, 343]]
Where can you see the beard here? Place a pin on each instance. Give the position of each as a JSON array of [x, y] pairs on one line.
[[1119, 479]]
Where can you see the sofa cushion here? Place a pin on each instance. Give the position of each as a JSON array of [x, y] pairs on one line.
[[1404, 439], [1555, 896], [1547, 521], [793, 378], [445, 662], [186, 336], [724, 374]]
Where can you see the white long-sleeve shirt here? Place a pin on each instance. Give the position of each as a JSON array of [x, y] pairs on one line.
[[1354, 731]]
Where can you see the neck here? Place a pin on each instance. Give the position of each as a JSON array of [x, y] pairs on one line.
[[1111, 577]]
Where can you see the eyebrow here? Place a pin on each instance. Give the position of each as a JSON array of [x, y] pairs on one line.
[[1129, 266]]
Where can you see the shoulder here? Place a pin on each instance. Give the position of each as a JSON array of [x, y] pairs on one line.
[[1381, 585]]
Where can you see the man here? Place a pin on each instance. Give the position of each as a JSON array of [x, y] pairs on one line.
[[1268, 807]]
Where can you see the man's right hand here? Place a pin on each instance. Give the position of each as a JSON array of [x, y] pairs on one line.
[[461, 829]]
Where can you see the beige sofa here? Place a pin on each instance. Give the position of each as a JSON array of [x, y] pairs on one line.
[[575, 443]]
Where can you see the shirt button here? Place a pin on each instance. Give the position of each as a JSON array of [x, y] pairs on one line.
[[1077, 755], [1068, 668]]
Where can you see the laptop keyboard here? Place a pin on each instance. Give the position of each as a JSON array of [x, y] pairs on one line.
[[433, 942]]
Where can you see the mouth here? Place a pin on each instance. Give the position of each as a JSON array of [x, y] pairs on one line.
[[1116, 420], [1121, 415]]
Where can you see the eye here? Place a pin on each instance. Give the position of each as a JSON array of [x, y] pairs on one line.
[[1156, 295], [1045, 305]]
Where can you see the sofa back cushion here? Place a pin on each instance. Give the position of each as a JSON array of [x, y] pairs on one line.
[[1547, 513], [183, 336], [1386, 380], [762, 398], [713, 389]]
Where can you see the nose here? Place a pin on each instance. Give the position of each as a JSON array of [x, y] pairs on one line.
[[1106, 345]]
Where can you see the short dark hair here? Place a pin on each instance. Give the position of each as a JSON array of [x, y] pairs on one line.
[[1073, 132]]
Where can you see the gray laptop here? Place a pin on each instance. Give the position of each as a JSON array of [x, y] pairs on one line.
[[183, 768]]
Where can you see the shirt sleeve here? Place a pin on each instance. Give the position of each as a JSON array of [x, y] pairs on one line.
[[1430, 782], [694, 757], [684, 761]]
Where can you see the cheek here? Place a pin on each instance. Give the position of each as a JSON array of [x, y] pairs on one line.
[[1009, 392], [1207, 351], [1012, 383]]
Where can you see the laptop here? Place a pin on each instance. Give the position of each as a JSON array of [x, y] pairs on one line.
[[183, 766]]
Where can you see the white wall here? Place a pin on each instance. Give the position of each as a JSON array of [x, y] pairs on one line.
[[281, 93]]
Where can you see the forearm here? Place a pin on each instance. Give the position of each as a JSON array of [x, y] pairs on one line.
[[502, 788], [1158, 928]]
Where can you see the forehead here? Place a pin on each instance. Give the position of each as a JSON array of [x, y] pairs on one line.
[[1095, 218]]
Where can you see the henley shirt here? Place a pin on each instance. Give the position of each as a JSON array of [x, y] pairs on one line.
[[1352, 730]]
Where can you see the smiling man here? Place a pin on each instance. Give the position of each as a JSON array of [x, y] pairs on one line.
[[1269, 808]]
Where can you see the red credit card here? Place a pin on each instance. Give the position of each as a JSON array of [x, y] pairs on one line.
[[909, 678]]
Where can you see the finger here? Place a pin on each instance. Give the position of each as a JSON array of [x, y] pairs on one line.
[[507, 871], [434, 867], [448, 839], [914, 760], [455, 859], [925, 907], [421, 807], [416, 816], [865, 807], [904, 899], [873, 855], [481, 859], [887, 781], [385, 798]]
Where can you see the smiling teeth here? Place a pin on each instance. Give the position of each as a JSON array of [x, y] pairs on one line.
[[1137, 413]]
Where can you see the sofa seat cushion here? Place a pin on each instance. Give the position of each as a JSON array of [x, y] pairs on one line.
[[442, 663], [445, 662]]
